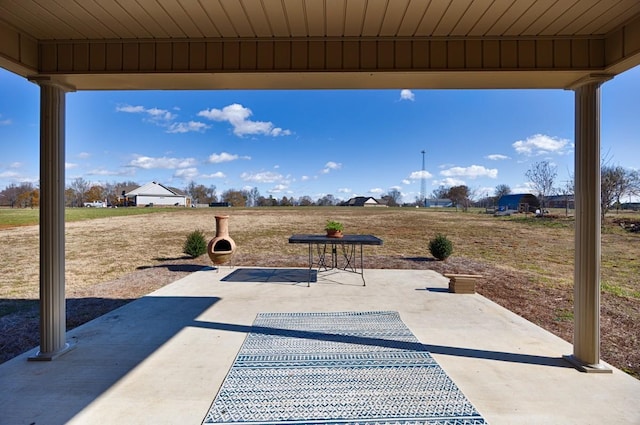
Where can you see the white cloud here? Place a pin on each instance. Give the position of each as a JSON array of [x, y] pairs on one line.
[[279, 188], [485, 191], [186, 127], [160, 114], [448, 182], [216, 158], [238, 116], [130, 109], [329, 166], [406, 94], [15, 165], [305, 178], [217, 175], [70, 165], [103, 172], [147, 162], [406, 181], [264, 177], [5, 121], [153, 114], [9, 175], [471, 172], [417, 175], [164, 118], [83, 155], [497, 157], [186, 173], [540, 144], [525, 187], [376, 190], [344, 190]]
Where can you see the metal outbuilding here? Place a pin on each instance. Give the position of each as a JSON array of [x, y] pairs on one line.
[[523, 202]]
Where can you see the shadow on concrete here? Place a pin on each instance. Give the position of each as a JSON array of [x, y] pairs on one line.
[[433, 289], [189, 268], [20, 320], [401, 345], [271, 275], [106, 350]]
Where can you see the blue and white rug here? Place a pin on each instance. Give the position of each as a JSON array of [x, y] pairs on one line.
[[356, 368]]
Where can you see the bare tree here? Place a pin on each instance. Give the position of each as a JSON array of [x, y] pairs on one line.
[[615, 183], [568, 190], [15, 195], [305, 201], [236, 198], [80, 188], [461, 196], [200, 193], [542, 176], [441, 192], [267, 202], [501, 190], [393, 197], [254, 195], [286, 202], [327, 201]]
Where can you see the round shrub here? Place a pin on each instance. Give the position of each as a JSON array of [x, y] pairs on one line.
[[195, 245], [440, 247]]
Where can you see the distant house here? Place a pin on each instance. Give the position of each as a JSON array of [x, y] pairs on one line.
[[518, 202], [156, 194], [364, 201], [438, 203]]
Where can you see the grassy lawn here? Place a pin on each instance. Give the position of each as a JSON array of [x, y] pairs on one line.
[[527, 261], [543, 248], [13, 217]]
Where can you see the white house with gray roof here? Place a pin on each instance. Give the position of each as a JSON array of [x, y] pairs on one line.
[[156, 194]]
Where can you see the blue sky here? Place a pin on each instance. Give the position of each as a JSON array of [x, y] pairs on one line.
[[294, 143]]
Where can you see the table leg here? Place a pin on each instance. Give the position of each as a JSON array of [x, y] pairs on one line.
[[310, 265], [364, 283]]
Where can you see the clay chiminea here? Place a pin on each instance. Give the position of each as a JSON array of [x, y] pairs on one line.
[[222, 247]]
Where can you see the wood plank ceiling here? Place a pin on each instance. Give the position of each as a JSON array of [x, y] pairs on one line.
[[174, 19], [62, 38]]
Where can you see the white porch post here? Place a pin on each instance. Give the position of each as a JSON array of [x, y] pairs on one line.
[[586, 336], [52, 260]]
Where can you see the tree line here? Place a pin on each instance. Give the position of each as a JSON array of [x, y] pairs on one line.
[[616, 184], [80, 191]]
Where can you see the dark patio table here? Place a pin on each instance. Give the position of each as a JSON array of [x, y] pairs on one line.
[[327, 252]]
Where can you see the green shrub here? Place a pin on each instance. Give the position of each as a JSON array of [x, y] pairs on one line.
[[195, 245], [440, 247]]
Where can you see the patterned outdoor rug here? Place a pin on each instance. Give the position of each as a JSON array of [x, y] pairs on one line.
[[357, 368]]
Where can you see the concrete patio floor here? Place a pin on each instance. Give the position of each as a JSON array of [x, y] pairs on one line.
[[161, 359]]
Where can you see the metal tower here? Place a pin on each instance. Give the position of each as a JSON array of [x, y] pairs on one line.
[[423, 183]]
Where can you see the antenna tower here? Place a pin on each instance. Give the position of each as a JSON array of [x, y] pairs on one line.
[[423, 183]]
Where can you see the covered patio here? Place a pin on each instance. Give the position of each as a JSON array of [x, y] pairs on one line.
[[163, 358], [305, 44]]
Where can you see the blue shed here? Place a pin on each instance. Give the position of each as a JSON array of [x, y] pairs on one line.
[[513, 202]]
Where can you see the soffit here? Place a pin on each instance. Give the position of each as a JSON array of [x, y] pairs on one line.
[[46, 20], [582, 37]]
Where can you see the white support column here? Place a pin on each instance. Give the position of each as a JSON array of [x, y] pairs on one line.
[[586, 336], [52, 260]]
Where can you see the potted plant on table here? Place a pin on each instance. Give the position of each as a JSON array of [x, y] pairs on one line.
[[334, 229]]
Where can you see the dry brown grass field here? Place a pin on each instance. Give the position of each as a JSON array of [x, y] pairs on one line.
[[527, 262]]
